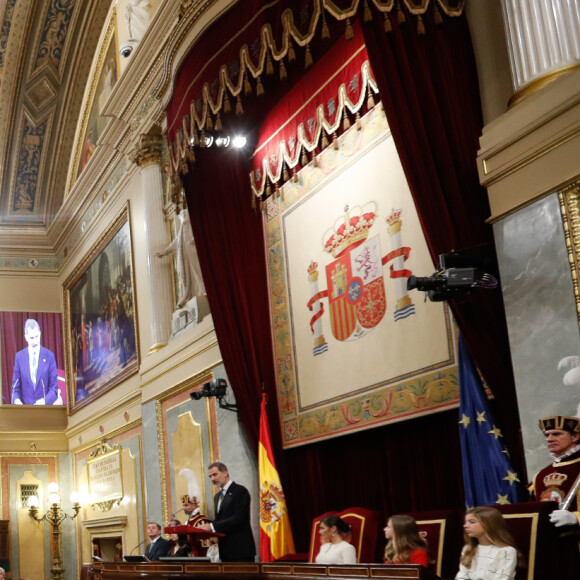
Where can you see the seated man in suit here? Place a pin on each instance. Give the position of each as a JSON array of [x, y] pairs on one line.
[[158, 546], [35, 377], [232, 509]]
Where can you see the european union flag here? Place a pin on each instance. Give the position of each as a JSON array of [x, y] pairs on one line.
[[488, 476]]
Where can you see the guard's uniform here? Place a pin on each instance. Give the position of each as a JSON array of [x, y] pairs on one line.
[[555, 481]]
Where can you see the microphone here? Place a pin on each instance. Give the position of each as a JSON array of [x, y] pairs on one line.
[[173, 515], [137, 546]]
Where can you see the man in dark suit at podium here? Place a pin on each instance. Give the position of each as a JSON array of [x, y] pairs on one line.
[[158, 546], [232, 517]]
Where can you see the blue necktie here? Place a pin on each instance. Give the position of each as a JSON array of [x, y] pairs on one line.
[[221, 494]]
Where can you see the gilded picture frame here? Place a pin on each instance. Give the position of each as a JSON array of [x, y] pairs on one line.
[[104, 75], [100, 317]]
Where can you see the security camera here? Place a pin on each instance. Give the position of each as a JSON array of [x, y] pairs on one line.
[[126, 49]]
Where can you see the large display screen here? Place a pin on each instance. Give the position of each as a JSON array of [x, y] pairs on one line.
[[32, 353]]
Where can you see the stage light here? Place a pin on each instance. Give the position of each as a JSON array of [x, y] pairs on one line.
[[222, 141], [239, 141]]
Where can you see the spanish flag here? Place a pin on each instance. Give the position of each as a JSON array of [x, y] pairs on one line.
[[275, 532]]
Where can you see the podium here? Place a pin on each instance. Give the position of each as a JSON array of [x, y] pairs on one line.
[[195, 536]]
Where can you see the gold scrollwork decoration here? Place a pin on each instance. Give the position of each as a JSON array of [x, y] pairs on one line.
[[570, 207], [106, 506]]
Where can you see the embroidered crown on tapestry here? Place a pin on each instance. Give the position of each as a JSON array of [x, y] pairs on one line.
[[263, 36]]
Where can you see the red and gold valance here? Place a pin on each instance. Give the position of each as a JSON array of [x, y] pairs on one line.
[[264, 39], [313, 113]]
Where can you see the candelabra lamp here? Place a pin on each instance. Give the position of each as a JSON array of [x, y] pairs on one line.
[[55, 515]]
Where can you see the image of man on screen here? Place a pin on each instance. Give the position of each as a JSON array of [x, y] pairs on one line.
[[35, 378]]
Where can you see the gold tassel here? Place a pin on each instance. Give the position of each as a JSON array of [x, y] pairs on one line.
[[348, 33], [324, 139], [253, 201], [195, 136], [325, 31], [285, 175], [218, 123], [291, 51], [277, 192], [334, 142], [308, 57], [227, 106], [269, 65], [189, 154], [367, 12], [358, 123], [345, 120], [295, 176], [400, 14], [268, 190], [370, 100], [283, 73], [437, 18], [314, 159], [239, 107], [388, 27], [202, 139], [247, 87], [262, 206], [420, 26], [259, 88], [209, 123], [303, 158]]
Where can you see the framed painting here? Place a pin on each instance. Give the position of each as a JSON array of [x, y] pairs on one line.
[[104, 75], [100, 319]]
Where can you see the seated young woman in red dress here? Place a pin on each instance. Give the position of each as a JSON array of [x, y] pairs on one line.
[[405, 545]]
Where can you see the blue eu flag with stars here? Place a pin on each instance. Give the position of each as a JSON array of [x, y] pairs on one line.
[[488, 476]]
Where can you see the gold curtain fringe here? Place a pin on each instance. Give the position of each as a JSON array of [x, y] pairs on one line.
[[259, 87], [218, 123], [367, 16], [203, 106], [437, 18], [308, 62], [269, 51], [325, 33], [269, 65], [291, 51], [420, 26], [348, 33]]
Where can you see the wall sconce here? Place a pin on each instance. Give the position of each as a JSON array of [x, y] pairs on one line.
[[55, 515]]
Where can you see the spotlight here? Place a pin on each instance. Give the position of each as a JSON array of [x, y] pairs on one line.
[[222, 141], [239, 141]]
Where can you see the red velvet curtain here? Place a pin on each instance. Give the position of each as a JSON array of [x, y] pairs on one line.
[[429, 88], [230, 245], [12, 340]]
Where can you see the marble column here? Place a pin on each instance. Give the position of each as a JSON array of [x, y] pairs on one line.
[[543, 39], [147, 156]]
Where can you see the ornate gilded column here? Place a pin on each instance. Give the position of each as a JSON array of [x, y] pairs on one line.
[[543, 39], [148, 157]]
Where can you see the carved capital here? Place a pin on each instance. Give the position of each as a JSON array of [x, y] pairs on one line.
[[148, 152]]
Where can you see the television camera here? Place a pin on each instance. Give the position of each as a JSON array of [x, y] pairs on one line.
[[457, 275]]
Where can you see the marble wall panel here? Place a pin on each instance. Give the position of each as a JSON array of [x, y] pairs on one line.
[[541, 317]]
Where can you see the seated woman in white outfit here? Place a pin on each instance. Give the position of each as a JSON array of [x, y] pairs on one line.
[[334, 549], [489, 552]]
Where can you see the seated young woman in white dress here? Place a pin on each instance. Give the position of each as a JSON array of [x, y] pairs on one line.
[[334, 549], [489, 552]]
